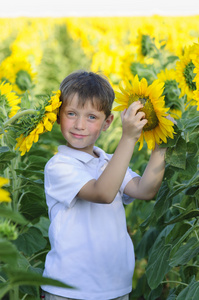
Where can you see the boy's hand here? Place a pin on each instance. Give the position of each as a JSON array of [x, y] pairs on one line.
[[133, 121]]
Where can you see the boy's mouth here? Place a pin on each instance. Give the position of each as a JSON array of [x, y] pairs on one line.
[[78, 136]]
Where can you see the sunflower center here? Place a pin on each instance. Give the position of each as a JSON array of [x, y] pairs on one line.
[[189, 76], [148, 109]]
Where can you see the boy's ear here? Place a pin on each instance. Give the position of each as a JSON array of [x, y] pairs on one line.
[[108, 122]]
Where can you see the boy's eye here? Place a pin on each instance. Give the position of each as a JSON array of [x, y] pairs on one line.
[[71, 114], [92, 117]]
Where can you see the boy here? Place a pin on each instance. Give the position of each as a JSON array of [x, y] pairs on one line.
[[90, 247]]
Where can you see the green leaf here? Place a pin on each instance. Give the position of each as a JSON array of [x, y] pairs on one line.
[[183, 186], [8, 252], [162, 201], [184, 216], [43, 226], [191, 124], [28, 278], [191, 159], [37, 160], [30, 172], [171, 59], [185, 253], [21, 278], [188, 271], [176, 156], [6, 155], [154, 294], [14, 216], [146, 243], [158, 264], [4, 289], [191, 292], [32, 207], [182, 238], [172, 295], [31, 241], [142, 288]]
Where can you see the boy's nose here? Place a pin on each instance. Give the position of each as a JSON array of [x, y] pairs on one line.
[[80, 123]]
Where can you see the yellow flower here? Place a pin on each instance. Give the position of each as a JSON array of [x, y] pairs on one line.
[[10, 97], [171, 92], [54, 102], [18, 71], [25, 142], [185, 75], [4, 195], [158, 128], [195, 59]]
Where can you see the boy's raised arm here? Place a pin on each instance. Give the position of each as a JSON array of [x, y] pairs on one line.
[[147, 186], [105, 188]]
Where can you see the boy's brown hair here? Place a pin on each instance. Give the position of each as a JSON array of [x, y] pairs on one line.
[[88, 86]]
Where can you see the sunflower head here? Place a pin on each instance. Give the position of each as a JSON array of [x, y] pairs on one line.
[[145, 45], [18, 71], [9, 101], [186, 72], [171, 92], [158, 128], [32, 126]]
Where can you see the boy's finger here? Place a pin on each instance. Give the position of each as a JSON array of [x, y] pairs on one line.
[[134, 107]]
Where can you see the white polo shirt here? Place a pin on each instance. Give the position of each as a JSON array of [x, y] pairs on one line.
[[90, 247]]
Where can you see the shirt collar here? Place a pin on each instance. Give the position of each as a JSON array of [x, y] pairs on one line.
[[82, 156]]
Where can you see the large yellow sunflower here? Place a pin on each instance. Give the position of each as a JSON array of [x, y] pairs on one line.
[[185, 73], [39, 124], [171, 92], [158, 128]]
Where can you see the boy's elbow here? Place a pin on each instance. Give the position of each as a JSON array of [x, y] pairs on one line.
[[150, 196], [103, 198]]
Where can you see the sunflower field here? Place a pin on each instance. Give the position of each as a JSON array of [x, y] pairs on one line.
[[154, 59]]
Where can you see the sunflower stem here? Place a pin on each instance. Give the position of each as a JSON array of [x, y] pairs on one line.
[[19, 115], [174, 281]]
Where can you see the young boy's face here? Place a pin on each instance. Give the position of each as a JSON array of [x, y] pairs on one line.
[[81, 126]]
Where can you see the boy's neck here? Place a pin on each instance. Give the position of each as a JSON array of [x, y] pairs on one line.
[[91, 152]]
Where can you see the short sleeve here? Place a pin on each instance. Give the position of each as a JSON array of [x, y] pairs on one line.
[[129, 175], [64, 179]]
